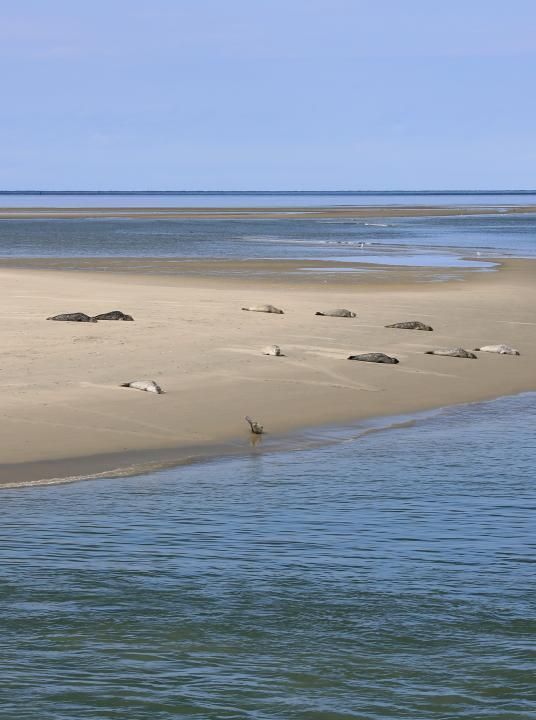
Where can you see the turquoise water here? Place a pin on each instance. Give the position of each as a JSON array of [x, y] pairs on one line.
[[392, 576]]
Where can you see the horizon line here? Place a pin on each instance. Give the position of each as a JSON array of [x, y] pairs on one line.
[[451, 191]]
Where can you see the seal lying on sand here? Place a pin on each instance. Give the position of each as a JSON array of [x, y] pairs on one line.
[[453, 352], [73, 317], [500, 349], [113, 315], [264, 308], [375, 357], [256, 429], [339, 312], [410, 325], [272, 350], [147, 385]]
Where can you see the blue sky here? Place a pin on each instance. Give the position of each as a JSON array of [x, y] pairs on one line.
[[268, 94]]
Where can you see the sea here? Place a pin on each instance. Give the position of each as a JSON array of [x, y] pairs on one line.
[[388, 571], [447, 241]]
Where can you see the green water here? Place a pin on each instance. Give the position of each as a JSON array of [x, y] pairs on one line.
[[388, 577]]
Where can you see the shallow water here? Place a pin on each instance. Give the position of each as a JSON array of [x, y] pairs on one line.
[[386, 577], [433, 241]]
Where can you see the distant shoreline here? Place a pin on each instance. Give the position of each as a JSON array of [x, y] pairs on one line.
[[268, 212], [269, 192]]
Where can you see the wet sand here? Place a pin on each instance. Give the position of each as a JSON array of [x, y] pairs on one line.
[[217, 213], [63, 412]]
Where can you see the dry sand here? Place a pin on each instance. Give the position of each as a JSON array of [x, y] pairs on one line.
[[63, 412]]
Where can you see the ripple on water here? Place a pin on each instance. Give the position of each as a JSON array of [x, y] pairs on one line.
[[390, 577]]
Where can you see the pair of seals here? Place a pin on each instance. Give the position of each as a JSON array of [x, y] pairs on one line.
[[256, 429], [453, 352], [82, 317], [147, 385], [375, 357], [264, 308], [272, 350], [411, 325], [339, 312], [499, 349]]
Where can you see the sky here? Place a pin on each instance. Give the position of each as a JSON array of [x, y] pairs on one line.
[[267, 94]]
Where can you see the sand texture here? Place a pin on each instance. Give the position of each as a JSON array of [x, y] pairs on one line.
[[63, 408]]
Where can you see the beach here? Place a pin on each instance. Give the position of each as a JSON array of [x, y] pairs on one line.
[[64, 412]]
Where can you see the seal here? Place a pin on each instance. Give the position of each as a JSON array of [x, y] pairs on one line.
[[113, 315], [411, 325], [147, 385], [73, 317], [375, 357], [264, 308], [272, 350], [339, 312], [256, 429], [499, 349], [453, 352]]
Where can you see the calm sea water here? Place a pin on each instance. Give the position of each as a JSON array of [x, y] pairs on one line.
[[439, 241], [387, 577], [262, 199]]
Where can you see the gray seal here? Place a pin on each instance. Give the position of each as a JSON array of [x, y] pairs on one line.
[[375, 357], [499, 349], [264, 308], [339, 312], [453, 352], [256, 429], [113, 315], [73, 317], [147, 385], [411, 325]]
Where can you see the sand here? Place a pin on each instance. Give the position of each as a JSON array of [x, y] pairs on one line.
[[63, 412], [298, 212]]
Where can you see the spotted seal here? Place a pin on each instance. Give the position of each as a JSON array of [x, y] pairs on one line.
[[499, 349], [113, 315], [147, 385], [272, 350], [73, 317], [264, 309], [411, 325], [339, 312], [453, 352], [375, 357]]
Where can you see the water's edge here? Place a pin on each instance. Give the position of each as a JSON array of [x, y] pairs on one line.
[[136, 463]]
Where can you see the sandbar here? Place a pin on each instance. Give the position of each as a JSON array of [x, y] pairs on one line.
[[63, 412], [341, 212]]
